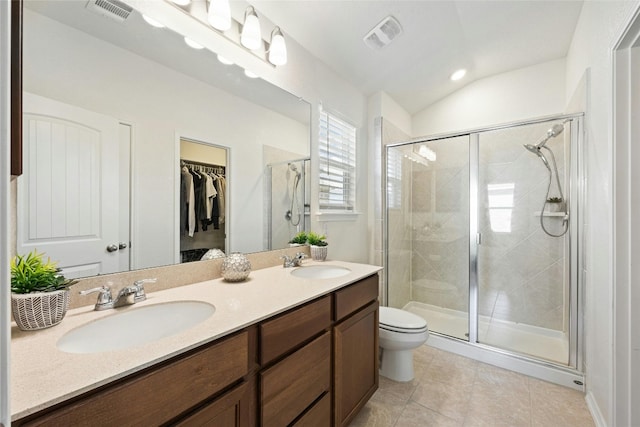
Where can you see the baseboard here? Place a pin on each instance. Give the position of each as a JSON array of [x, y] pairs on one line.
[[598, 419]]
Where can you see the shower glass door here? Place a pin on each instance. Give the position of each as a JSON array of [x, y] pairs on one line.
[[523, 279], [428, 232]]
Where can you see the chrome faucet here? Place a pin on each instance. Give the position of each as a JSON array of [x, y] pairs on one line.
[[127, 295], [293, 261]]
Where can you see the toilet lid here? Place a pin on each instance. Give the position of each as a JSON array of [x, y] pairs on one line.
[[400, 319]]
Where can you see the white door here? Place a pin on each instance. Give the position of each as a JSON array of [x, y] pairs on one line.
[[68, 194]]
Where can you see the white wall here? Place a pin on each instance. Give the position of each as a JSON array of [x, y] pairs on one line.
[[63, 64], [525, 93], [600, 25]]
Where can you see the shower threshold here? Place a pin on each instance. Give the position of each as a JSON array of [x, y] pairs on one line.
[[541, 343]]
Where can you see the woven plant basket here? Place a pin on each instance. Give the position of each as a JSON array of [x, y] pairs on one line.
[[319, 253], [39, 310]]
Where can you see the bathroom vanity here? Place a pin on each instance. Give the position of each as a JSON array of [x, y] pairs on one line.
[[309, 357]]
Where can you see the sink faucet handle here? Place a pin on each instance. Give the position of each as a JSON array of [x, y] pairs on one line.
[[297, 260], [105, 300], [139, 285]]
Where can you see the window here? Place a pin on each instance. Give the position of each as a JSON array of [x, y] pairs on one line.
[[337, 164], [394, 178]]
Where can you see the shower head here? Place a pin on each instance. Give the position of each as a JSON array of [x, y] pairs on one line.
[[554, 131], [536, 150], [293, 167]]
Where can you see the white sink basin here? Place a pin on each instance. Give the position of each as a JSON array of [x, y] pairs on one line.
[[135, 326], [320, 272]]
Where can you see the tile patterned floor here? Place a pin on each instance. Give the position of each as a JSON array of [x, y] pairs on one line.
[[451, 390]]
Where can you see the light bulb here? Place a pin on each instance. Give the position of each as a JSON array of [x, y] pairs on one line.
[[152, 21], [278, 48], [458, 74], [250, 74], [219, 14], [224, 60], [251, 37], [193, 44]]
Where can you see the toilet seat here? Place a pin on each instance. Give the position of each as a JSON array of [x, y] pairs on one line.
[[395, 320]]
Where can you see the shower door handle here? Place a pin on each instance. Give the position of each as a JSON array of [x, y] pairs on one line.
[[478, 238]]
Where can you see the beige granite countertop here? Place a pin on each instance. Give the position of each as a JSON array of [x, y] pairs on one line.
[[42, 375]]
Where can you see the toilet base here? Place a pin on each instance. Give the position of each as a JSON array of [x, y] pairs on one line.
[[396, 365]]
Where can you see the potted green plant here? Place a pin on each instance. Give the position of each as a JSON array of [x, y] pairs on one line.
[[555, 204], [318, 246], [299, 239], [39, 293]]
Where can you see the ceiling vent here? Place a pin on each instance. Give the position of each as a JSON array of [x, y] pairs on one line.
[[113, 9], [383, 33]]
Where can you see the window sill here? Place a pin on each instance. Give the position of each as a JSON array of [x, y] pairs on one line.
[[335, 216]]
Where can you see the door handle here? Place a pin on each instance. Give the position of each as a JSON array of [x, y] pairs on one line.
[[112, 248], [122, 245]]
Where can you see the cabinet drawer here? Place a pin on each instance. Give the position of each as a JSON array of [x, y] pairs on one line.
[[319, 415], [287, 331], [293, 384], [156, 397], [355, 296]]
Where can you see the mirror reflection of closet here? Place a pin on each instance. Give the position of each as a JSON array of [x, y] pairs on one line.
[[203, 224]]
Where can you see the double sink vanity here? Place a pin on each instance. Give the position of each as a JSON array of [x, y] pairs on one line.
[[286, 347]]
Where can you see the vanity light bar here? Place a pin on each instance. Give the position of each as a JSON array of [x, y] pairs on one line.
[[216, 14]]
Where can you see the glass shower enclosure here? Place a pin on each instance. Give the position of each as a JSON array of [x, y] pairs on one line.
[[481, 236]]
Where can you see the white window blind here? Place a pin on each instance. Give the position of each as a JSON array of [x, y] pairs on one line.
[[394, 178], [337, 164]]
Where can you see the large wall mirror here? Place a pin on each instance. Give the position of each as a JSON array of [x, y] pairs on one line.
[[106, 104]]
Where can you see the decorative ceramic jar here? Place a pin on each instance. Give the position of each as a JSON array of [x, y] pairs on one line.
[[235, 267], [319, 253], [39, 310]]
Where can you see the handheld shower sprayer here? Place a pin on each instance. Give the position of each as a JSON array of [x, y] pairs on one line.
[[536, 150], [554, 131], [290, 215]]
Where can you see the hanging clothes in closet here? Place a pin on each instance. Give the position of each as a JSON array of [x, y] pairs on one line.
[[202, 194]]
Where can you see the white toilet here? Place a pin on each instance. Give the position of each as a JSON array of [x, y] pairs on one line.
[[400, 333]]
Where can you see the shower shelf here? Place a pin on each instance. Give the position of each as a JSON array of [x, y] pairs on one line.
[[563, 215]]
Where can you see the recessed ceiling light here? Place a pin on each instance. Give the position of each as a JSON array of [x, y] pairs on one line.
[[193, 44], [458, 74], [224, 60], [152, 22], [250, 74]]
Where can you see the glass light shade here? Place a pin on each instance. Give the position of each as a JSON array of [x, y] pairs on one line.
[[181, 2], [152, 22], [250, 74], [278, 48], [193, 44], [251, 37], [224, 60], [219, 14]]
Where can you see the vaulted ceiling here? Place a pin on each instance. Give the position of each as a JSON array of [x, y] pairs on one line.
[[439, 37]]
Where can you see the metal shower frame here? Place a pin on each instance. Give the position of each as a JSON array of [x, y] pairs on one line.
[[577, 192]]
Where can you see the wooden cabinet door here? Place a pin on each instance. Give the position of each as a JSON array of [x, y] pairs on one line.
[[232, 409], [356, 363]]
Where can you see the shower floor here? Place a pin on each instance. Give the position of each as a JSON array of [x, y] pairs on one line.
[[538, 342]]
